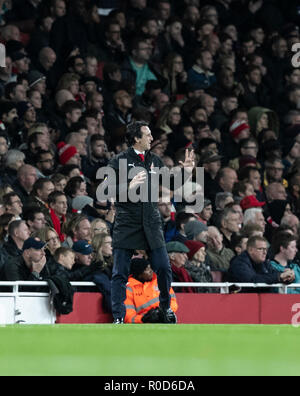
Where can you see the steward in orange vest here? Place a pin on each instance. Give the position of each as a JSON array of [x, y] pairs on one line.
[[142, 295]]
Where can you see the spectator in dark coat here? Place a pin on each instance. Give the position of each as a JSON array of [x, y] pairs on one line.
[[252, 266]]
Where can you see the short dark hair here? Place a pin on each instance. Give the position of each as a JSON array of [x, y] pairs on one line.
[[39, 185], [134, 130], [13, 226], [7, 198], [182, 218], [62, 251], [53, 197], [31, 212], [282, 239], [73, 185]]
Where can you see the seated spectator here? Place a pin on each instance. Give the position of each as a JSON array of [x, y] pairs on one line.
[[196, 231], [230, 225], [5, 220], [18, 233], [98, 226], [77, 229], [13, 204], [23, 186], [284, 248], [34, 218], [252, 267], [41, 190], [201, 72], [142, 294], [239, 243], [83, 260], [58, 210], [65, 257], [206, 213], [59, 181], [255, 216], [197, 266], [103, 261], [49, 236], [32, 264], [178, 259], [137, 67], [219, 256], [13, 162], [274, 172]]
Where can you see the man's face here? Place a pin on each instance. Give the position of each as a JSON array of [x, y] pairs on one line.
[[275, 172], [16, 206], [20, 94], [60, 8], [74, 115], [229, 180], [165, 209], [147, 275], [180, 259], [99, 148], [60, 206], [291, 251], [207, 61], [232, 223], [36, 255], [146, 140], [255, 77], [114, 33], [83, 259], [30, 115], [3, 146], [91, 67], [46, 164], [84, 231], [215, 239], [255, 180], [259, 253], [39, 222], [207, 212], [230, 104], [10, 116], [260, 220], [23, 232], [47, 189], [143, 52], [164, 10]]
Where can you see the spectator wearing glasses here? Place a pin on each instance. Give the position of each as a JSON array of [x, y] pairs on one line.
[[252, 266], [137, 68], [274, 172], [13, 204]]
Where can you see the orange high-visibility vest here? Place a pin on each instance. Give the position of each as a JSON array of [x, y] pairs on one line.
[[141, 297]]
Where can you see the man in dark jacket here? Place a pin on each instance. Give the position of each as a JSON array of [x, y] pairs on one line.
[[32, 264], [138, 225], [252, 267]]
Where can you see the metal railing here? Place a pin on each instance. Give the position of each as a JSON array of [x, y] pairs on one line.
[[225, 287]]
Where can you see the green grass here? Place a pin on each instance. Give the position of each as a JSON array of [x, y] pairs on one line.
[[143, 350]]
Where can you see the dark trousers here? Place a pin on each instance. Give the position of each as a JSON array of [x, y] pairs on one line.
[[160, 264]]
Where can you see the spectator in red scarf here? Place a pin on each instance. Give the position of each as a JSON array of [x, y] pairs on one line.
[[58, 210], [178, 257]]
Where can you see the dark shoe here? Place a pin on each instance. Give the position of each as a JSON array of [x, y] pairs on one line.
[[118, 321], [167, 316]]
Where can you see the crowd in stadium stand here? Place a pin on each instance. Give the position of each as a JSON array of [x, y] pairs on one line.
[[218, 77]]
